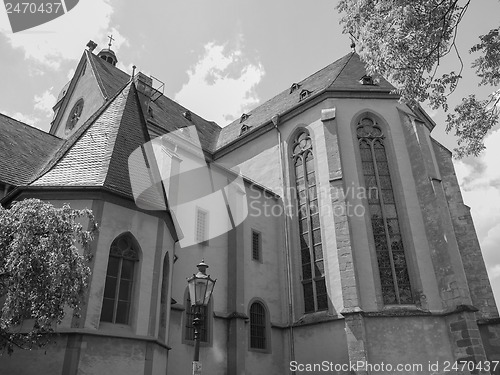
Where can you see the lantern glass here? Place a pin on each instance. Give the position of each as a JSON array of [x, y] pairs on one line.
[[201, 287]]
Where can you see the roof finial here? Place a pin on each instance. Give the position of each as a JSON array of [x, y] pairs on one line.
[[353, 44], [110, 40], [91, 45]]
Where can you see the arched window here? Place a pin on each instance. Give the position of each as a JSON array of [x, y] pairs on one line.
[[311, 248], [258, 326], [391, 259], [123, 256], [244, 128], [304, 94]]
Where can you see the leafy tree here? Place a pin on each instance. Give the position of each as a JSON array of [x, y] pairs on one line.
[[406, 41], [41, 270]]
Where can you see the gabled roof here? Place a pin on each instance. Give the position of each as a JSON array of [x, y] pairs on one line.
[[97, 155], [352, 72], [24, 150], [110, 78], [85, 158], [342, 75], [165, 113]]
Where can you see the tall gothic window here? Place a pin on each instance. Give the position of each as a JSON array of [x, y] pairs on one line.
[[391, 259], [119, 281], [311, 248]]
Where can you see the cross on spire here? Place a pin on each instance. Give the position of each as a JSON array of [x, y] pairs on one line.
[[110, 40]]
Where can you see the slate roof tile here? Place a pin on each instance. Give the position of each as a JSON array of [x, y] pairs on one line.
[[110, 78], [342, 75], [165, 113], [24, 150], [84, 158], [168, 115]]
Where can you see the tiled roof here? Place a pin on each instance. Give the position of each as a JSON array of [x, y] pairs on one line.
[[97, 155], [165, 113], [23, 150], [348, 79], [168, 115], [342, 75], [110, 78], [132, 134], [84, 158]]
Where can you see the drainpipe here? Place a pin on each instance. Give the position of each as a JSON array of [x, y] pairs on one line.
[[275, 119]]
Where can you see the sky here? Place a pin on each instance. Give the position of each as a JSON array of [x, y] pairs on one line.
[[223, 58]]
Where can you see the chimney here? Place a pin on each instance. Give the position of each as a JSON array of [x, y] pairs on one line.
[[144, 86]]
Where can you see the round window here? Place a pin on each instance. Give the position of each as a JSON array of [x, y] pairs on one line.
[[74, 115]]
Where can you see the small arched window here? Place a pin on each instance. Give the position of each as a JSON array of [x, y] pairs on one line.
[[311, 247], [244, 117], [391, 258], [258, 326], [295, 86], [304, 94], [244, 128], [123, 256]]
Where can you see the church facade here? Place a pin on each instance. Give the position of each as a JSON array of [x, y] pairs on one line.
[[355, 250]]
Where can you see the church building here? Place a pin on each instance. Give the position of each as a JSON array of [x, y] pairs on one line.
[[331, 219]]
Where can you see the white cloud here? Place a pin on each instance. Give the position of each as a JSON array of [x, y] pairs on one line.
[[480, 182], [45, 102], [221, 84], [66, 36], [27, 119], [71, 73], [494, 272]]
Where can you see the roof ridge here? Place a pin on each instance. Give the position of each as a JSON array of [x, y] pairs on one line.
[[329, 65], [31, 126], [98, 78], [302, 80], [341, 70], [70, 142], [126, 131]]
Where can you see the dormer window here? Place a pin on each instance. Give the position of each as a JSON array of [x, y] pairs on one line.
[[295, 86], [367, 80], [244, 129], [304, 94], [244, 117], [187, 115]]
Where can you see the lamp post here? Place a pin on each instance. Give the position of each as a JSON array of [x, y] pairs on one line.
[[200, 287]]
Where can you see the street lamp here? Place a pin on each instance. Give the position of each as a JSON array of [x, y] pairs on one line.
[[200, 287]]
